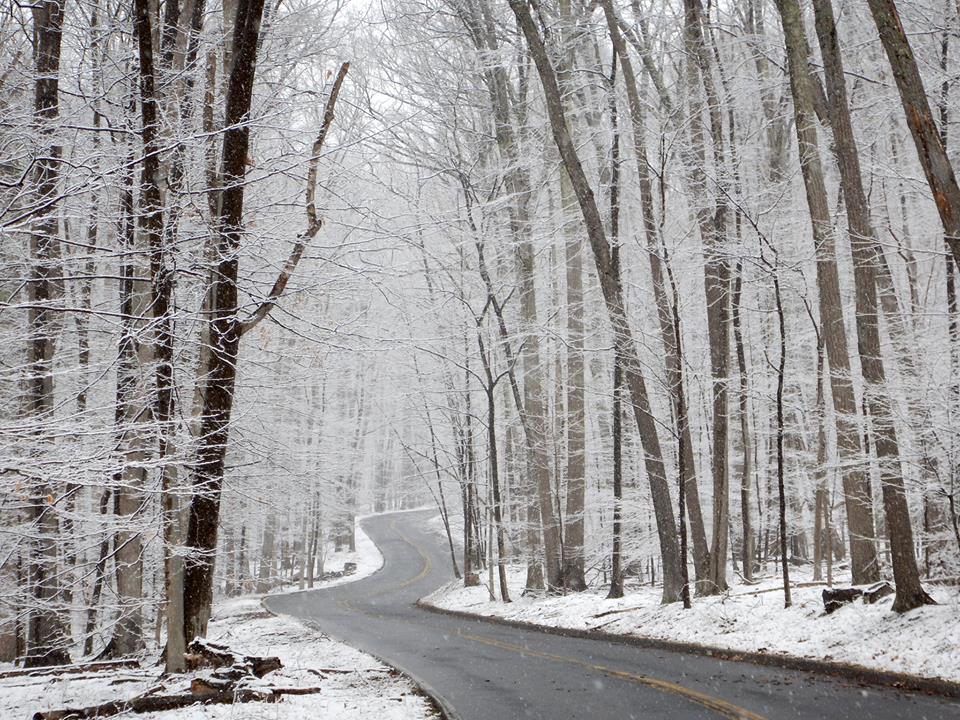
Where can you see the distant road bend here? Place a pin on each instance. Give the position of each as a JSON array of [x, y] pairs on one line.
[[486, 671]]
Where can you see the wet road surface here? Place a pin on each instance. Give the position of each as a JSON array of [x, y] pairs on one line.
[[485, 671]]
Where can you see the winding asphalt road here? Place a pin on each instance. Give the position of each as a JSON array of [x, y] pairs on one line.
[[484, 671]]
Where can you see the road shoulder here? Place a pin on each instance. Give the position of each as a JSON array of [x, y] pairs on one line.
[[635, 620]]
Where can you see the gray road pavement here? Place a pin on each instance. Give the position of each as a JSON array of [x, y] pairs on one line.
[[491, 672]]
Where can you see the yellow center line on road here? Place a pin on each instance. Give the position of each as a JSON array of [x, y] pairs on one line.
[[717, 705], [424, 571], [722, 707], [427, 563]]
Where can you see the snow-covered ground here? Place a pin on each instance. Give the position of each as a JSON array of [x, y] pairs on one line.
[[924, 642], [353, 685]]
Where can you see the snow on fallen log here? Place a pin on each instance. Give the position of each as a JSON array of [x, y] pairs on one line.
[[158, 703], [226, 677], [203, 653], [72, 669]]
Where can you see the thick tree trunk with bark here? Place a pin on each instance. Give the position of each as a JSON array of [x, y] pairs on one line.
[[716, 281], [910, 594], [224, 332], [576, 440], [225, 327], [916, 105], [856, 485], [47, 629]]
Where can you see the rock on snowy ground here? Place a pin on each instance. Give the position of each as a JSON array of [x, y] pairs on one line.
[[924, 642], [353, 685]]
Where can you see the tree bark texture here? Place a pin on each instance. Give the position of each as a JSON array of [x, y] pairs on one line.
[[856, 485]]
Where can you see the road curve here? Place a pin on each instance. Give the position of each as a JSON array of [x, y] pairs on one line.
[[485, 671]]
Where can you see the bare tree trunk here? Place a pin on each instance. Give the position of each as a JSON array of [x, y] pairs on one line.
[[534, 580], [616, 572], [267, 552], [47, 629], [99, 575], [576, 459], [161, 283], [130, 439], [613, 298], [747, 546], [573, 522], [480, 24], [224, 333], [701, 553], [930, 148], [781, 371], [133, 416], [128, 507], [716, 284], [821, 526], [864, 563], [683, 422], [225, 327], [490, 390], [909, 592]]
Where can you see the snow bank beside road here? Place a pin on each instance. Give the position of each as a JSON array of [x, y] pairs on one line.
[[353, 685], [924, 642], [367, 558]]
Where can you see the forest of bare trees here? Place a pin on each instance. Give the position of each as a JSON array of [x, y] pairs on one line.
[[633, 291]]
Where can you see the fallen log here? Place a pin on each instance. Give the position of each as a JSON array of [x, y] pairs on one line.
[[156, 703], [203, 653], [836, 598], [210, 685], [72, 669], [320, 672], [159, 703], [228, 682], [296, 691]]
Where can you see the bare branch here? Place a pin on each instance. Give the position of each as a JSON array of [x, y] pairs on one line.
[[314, 223]]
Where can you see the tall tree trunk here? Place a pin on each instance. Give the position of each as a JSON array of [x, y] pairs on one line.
[[99, 575], [930, 148], [856, 484], [616, 572], [909, 593], [613, 298], [224, 331], [573, 522], [716, 282], [47, 629], [267, 552], [490, 390], [821, 524], [481, 25], [576, 438], [746, 474], [130, 412], [161, 284], [701, 552], [781, 492]]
